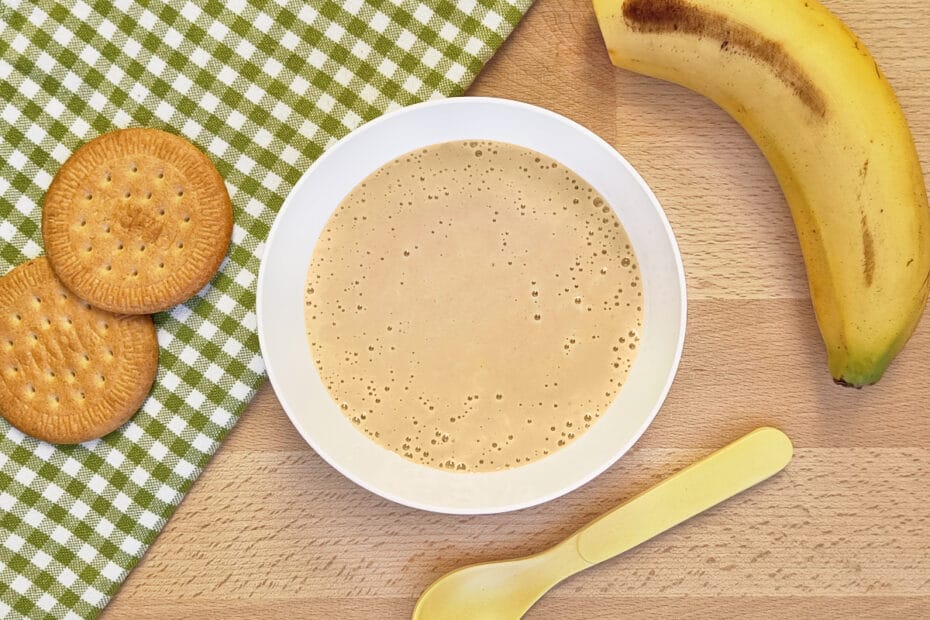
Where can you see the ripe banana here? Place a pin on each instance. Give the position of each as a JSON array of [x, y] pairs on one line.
[[813, 99]]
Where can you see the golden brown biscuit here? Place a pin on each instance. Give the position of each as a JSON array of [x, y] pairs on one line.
[[136, 221], [69, 372]]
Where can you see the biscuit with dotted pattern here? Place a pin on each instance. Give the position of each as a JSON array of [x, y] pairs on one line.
[[137, 221], [69, 372]]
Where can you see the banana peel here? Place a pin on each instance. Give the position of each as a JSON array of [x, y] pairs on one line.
[[816, 103]]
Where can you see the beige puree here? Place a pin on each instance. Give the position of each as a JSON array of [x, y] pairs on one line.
[[473, 306]]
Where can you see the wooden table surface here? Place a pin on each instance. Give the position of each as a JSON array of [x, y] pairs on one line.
[[270, 530]]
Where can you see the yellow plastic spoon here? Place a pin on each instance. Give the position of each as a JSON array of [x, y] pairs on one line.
[[506, 589]]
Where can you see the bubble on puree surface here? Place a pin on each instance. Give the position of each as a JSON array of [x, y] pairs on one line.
[[473, 306]]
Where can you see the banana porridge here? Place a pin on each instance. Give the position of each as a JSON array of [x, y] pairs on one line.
[[473, 306]]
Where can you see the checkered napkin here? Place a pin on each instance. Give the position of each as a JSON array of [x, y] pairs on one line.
[[263, 87]]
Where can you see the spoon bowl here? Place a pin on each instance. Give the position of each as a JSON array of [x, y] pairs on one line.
[[500, 590]]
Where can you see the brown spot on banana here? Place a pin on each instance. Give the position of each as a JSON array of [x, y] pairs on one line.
[[844, 383], [681, 16], [868, 251], [863, 172]]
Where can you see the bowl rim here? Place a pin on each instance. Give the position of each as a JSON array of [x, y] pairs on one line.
[[476, 509]]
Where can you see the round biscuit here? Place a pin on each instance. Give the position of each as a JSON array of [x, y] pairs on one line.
[[69, 372], [137, 221]]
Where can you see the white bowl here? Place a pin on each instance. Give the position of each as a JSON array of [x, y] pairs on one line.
[[280, 305]]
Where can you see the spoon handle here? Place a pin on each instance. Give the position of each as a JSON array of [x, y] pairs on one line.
[[715, 478]]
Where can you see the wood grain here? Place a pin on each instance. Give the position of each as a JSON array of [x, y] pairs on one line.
[[272, 531]]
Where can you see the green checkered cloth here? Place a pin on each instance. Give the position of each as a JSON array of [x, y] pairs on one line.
[[263, 88]]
